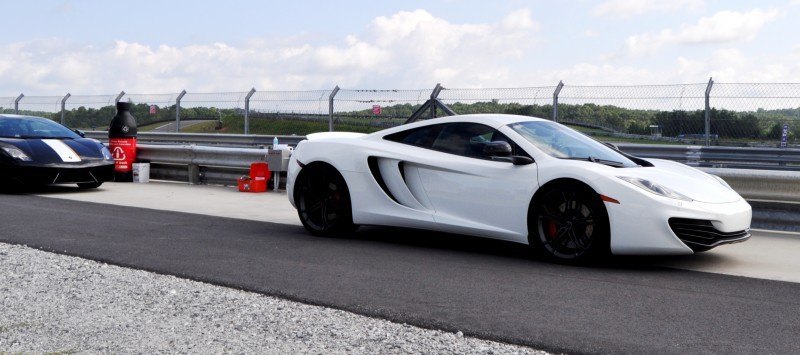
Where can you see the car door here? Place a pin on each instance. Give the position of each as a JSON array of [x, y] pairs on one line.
[[469, 192]]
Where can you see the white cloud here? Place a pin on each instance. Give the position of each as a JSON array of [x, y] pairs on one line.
[[406, 49], [625, 9], [722, 27]]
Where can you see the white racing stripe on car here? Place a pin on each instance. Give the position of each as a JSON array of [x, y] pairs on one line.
[[64, 151]]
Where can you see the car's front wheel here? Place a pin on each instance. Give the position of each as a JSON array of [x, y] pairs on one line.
[[323, 201], [569, 223]]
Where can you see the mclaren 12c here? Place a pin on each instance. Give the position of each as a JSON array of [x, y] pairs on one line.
[[515, 178]]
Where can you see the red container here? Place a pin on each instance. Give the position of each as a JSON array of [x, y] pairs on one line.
[[259, 171], [248, 185], [257, 181]]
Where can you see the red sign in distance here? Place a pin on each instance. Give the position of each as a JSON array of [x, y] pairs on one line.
[[376, 109]]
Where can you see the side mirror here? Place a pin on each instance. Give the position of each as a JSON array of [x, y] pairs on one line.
[[497, 149], [80, 133]]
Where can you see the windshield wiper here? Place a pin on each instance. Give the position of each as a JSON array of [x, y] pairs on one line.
[[613, 163]]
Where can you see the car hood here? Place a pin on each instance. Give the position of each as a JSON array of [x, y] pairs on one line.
[[43, 153], [683, 179]]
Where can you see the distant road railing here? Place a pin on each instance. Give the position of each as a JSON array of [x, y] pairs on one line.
[[222, 140], [719, 157], [713, 157], [197, 164]]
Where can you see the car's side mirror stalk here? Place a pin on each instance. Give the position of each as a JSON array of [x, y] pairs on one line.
[[515, 159]]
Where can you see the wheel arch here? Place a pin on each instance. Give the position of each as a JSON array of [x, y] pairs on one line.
[[314, 165], [542, 190]]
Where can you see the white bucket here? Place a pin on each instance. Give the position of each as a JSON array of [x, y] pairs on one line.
[[141, 172]]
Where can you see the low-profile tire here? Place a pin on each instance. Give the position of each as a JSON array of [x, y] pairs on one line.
[[568, 223], [323, 201], [89, 185]]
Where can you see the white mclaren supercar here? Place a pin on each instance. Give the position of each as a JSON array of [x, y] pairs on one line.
[[515, 178]]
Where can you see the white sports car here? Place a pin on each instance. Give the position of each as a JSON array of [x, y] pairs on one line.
[[515, 178]]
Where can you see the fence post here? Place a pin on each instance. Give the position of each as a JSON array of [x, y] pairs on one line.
[[330, 107], [119, 97], [16, 103], [63, 107], [555, 100], [247, 110], [178, 111], [708, 111], [434, 96]]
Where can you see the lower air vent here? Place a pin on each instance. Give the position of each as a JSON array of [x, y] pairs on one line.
[[700, 234]]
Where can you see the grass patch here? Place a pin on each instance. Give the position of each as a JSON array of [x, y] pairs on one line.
[[204, 127]]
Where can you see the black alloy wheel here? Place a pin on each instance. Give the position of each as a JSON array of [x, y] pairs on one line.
[[323, 202], [571, 224]]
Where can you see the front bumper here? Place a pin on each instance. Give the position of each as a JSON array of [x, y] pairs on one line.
[[701, 235], [643, 227], [58, 174]]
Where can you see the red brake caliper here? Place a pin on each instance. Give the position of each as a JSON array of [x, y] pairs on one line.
[[551, 229]]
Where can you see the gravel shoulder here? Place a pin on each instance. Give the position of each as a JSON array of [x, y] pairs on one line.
[[58, 303]]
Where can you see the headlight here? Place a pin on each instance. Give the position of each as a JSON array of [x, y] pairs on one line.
[[654, 188], [106, 153], [16, 153], [719, 179]]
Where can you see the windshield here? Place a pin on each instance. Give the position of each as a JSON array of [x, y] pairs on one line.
[[562, 142], [32, 127]]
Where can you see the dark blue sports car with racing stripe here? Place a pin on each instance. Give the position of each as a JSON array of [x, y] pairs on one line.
[[38, 151]]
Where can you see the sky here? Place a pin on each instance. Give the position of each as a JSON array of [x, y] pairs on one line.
[[102, 47]]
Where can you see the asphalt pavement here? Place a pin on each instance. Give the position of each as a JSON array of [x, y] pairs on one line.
[[484, 288]]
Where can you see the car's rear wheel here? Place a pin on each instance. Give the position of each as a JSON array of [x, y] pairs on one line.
[[569, 223], [323, 201], [89, 185]]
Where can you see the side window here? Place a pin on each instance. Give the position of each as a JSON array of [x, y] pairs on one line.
[[420, 137], [465, 139]]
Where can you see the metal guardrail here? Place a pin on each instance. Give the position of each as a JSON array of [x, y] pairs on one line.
[[203, 164], [783, 186], [719, 157], [210, 139]]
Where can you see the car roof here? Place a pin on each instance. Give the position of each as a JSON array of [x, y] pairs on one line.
[[494, 120], [9, 115]]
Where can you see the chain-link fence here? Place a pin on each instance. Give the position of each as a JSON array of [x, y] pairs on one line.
[[153, 111], [369, 110], [530, 101], [89, 111], [632, 109], [286, 112], [766, 114], [7, 104], [756, 112], [42, 106]]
